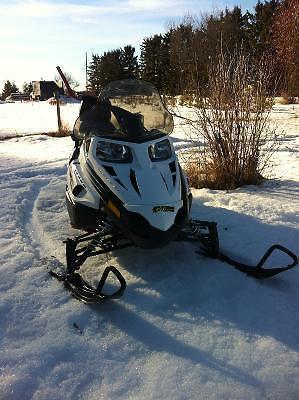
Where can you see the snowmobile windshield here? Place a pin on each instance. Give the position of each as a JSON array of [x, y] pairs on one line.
[[139, 105]]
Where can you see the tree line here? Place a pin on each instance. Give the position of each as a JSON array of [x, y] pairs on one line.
[[10, 87], [177, 62]]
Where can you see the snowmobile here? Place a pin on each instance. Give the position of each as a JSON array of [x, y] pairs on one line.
[[125, 187]]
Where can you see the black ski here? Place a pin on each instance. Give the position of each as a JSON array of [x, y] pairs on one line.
[[206, 234], [84, 292]]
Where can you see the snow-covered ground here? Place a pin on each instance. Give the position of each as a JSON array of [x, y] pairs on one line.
[[18, 119], [186, 328]]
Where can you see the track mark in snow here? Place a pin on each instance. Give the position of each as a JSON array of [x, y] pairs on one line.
[[20, 188], [26, 201], [32, 171], [49, 222]]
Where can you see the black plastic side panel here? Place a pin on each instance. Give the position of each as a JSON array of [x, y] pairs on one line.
[[82, 217]]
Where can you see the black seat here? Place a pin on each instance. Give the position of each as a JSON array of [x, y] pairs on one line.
[[96, 118]]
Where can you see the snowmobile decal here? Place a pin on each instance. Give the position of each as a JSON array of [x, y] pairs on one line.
[[159, 209]]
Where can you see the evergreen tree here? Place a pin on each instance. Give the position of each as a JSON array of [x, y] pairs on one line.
[[177, 61], [225, 32], [167, 69], [263, 47], [201, 54], [27, 88], [152, 61], [233, 29], [182, 54], [129, 63], [94, 75], [262, 28], [8, 89], [111, 66]]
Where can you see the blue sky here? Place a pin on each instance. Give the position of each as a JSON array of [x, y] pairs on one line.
[[37, 35]]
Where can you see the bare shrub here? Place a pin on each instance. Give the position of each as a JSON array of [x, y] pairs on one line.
[[232, 121]]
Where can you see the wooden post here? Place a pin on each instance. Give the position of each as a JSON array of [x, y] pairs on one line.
[[86, 79], [56, 95]]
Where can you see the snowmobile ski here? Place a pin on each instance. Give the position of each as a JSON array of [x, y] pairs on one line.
[[84, 292], [206, 234]]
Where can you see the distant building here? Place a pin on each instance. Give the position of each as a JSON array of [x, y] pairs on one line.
[[17, 97], [44, 90]]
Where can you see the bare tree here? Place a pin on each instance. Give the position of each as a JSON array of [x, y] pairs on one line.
[[71, 80]]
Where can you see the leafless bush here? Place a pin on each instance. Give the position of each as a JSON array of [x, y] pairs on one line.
[[233, 122]]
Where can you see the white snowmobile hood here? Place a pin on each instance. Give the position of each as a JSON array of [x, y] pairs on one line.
[[149, 188]]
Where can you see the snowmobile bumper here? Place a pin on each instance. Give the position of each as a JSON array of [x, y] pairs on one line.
[[138, 229], [146, 236]]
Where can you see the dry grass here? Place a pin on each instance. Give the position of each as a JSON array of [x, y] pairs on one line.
[[283, 100], [208, 174], [187, 100], [53, 101], [51, 134], [64, 131]]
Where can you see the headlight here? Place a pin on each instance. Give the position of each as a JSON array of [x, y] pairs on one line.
[[160, 151], [113, 152]]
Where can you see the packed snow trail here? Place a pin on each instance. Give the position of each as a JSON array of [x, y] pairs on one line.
[[186, 328]]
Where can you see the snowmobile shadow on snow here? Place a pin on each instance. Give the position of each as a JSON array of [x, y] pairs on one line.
[[156, 339], [175, 283]]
